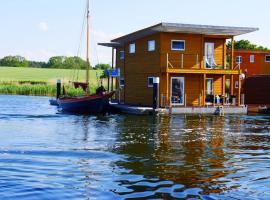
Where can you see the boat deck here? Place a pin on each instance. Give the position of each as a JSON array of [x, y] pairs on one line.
[[139, 110], [135, 110]]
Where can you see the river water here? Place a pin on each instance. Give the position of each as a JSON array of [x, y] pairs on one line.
[[48, 155]]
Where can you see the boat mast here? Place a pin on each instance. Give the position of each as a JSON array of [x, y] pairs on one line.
[[87, 49]]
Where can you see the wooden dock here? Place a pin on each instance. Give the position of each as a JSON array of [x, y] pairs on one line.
[[134, 110]]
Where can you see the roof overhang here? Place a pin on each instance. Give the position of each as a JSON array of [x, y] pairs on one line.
[[225, 31], [111, 44]]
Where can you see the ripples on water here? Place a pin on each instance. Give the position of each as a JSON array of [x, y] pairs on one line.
[[45, 155]]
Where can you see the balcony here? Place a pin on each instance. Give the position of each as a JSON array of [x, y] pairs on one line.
[[176, 62]]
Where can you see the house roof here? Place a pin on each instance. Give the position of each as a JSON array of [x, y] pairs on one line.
[[250, 51], [226, 31]]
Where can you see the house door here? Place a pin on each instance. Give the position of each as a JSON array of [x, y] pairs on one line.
[[177, 91], [209, 55]]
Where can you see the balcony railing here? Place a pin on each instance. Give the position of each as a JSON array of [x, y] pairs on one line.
[[178, 60], [181, 60]]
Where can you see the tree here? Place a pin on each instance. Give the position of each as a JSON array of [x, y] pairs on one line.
[[245, 44], [103, 66], [56, 62], [36, 64], [14, 61], [74, 63]]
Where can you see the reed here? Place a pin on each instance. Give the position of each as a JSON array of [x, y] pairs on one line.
[[37, 89]]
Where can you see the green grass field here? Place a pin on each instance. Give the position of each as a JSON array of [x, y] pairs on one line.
[[17, 74], [41, 82]]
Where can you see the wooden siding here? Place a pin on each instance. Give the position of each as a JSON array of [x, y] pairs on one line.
[[136, 68], [192, 49], [258, 67]]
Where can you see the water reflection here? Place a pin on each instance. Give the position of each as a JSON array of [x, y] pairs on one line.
[[44, 155], [193, 152]]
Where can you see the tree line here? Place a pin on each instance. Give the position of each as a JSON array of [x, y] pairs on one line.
[[56, 62], [246, 45]]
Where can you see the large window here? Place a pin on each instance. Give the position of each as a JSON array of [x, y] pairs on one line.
[[267, 58], [252, 58], [178, 45], [122, 82], [132, 48], [122, 55], [209, 86], [238, 59], [151, 45], [150, 81]]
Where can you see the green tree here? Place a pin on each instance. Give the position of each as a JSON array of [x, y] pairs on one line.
[[56, 62], [37, 64], [14, 61], [103, 66], [74, 63], [245, 44]]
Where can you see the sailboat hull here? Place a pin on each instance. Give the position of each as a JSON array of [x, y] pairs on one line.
[[93, 104]]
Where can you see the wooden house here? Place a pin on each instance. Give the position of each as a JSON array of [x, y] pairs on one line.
[[190, 61], [253, 62]]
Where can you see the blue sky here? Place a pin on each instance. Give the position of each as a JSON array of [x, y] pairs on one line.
[[38, 29]]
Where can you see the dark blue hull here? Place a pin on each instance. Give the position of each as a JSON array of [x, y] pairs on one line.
[[86, 105]]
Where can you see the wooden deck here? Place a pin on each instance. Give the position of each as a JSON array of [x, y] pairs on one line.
[[134, 110]]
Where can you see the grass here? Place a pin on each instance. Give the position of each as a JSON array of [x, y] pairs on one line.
[[17, 74], [41, 82]]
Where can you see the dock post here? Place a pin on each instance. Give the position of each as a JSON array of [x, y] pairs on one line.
[[155, 92], [58, 88]]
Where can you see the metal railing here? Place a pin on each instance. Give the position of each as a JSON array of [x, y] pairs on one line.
[[181, 60]]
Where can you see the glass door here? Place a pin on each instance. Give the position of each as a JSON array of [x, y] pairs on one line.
[[209, 55], [177, 90]]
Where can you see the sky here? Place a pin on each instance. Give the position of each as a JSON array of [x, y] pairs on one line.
[[39, 29]]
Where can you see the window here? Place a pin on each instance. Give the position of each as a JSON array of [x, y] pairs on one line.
[[178, 45], [236, 84], [151, 45], [209, 86], [267, 58], [238, 59], [122, 55], [252, 58], [122, 82], [150, 81], [132, 48]]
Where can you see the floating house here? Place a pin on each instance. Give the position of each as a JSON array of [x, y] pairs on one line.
[[253, 62], [189, 60]]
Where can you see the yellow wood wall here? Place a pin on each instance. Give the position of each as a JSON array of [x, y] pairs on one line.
[[136, 68]]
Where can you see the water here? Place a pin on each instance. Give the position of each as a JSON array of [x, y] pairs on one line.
[[45, 155]]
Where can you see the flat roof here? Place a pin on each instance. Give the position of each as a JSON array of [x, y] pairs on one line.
[[226, 31], [250, 51]]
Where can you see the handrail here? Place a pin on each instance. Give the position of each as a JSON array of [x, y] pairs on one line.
[[182, 60]]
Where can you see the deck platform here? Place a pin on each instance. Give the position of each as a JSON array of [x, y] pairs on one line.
[[210, 110], [134, 110]]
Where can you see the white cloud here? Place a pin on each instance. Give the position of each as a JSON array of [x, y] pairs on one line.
[[43, 26]]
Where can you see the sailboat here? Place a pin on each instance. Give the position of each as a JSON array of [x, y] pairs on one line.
[[89, 103]]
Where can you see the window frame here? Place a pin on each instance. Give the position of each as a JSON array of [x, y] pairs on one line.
[[265, 58], [129, 48], [236, 85], [253, 58], [148, 45], [121, 82], [241, 59], [212, 80], [122, 55], [173, 49], [149, 85]]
